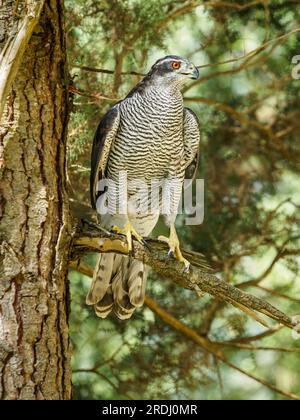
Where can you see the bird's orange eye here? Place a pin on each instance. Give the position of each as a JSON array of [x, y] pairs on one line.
[[176, 65]]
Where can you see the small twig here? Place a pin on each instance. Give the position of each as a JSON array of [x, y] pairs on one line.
[[243, 346], [259, 279], [105, 71], [98, 96], [278, 294], [257, 337]]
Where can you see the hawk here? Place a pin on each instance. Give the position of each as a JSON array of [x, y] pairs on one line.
[[149, 135]]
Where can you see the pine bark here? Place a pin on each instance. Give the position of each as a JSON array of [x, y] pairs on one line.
[[34, 216]]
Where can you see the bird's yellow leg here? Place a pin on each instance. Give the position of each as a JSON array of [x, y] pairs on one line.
[[174, 246], [130, 233], [118, 230]]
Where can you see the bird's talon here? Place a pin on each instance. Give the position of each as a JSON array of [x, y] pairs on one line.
[[186, 269], [146, 245], [174, 251], [170, 254], [130, 234]]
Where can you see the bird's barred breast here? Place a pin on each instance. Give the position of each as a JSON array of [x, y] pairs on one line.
[[149, 143]]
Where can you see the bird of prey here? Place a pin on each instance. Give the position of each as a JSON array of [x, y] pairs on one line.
[[149, 135]]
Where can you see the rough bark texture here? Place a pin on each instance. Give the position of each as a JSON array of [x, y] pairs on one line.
[[34, 219], [8, 19]]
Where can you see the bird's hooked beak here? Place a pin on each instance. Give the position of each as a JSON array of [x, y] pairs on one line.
[[191, 71]]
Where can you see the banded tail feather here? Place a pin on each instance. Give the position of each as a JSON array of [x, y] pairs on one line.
[[119, 284]]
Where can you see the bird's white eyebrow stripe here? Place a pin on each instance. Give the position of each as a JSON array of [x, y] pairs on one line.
[[169, 60]]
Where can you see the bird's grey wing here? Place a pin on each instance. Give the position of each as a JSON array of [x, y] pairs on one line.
[[191, 139], [103, 140]]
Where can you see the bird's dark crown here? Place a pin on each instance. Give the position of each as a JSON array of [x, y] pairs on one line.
[[161, 67]]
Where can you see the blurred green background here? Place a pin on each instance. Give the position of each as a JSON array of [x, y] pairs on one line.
[[248, 105]]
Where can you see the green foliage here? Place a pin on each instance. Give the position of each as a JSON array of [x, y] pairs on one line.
[[250, 162]]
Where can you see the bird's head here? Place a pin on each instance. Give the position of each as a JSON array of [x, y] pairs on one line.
[[174, 70]]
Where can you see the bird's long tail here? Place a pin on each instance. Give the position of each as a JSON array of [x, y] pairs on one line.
[[119, 284]]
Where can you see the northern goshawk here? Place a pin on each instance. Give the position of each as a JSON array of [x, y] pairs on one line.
[[148, 136]]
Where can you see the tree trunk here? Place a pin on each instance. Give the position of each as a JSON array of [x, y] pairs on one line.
[[34, 216]]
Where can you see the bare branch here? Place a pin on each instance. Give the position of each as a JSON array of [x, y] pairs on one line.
[[105, 71], [95, 95], [278, 294], [241, 117], [242, 346], [187, 7], [258, 337], [233, 5]]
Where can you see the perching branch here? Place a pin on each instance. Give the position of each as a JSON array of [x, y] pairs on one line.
[[12, 53], [199, 279]]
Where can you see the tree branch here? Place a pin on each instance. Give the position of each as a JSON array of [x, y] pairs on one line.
[[12, 53], [96, 95], [106, 71], [257, 337], [199, 279]]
